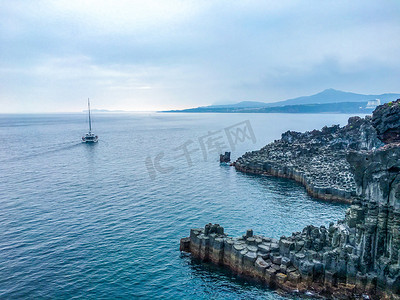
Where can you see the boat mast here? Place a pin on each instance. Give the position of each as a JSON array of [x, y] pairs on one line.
[[90, 120]]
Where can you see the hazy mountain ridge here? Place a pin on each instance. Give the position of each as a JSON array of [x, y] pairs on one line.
[[341, 107], [329, 100], [336, 96]]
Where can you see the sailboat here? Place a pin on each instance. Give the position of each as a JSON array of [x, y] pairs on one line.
[[90, 137]]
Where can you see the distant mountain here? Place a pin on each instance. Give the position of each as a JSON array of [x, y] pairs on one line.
[[243, 104], [337, 107], [341, 107], [335, 96], [329, 96]]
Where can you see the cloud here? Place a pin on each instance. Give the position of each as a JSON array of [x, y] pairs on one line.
[[174, 54]]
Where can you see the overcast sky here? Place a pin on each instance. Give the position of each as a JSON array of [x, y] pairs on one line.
[[166, 54]]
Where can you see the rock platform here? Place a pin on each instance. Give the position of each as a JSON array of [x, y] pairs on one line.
[[316, 159], [357, 257]]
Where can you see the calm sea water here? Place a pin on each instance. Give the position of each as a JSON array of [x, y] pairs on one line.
[[91, 221]]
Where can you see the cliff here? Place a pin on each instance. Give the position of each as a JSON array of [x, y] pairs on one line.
[[317, 159], [355, 258]]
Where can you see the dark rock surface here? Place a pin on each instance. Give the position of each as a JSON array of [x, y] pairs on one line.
[[225, 158], [355, 258], [316, 158], [387, 122]]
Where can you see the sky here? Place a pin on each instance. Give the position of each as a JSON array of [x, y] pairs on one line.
[[170, 54]]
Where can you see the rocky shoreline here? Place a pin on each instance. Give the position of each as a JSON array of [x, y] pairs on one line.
[[355, 258], [323, 193], [316, 159]]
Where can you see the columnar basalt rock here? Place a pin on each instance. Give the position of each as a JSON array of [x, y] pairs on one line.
[[386, 121], [225, 158], [317, 159], [355, 258]]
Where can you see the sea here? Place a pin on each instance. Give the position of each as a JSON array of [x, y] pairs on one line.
[[103, 221]]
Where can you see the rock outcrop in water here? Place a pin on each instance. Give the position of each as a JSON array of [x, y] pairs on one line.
[[225, 158], [355, 258], [317, 159]]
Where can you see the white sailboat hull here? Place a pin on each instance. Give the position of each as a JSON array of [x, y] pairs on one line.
[[90, 137]]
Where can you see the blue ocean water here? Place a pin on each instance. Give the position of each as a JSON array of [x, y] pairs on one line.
[[103, 221]]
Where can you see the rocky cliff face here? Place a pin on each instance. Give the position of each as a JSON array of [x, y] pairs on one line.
[[386, 121], [355, 258], [378, 232], [316, 159]]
